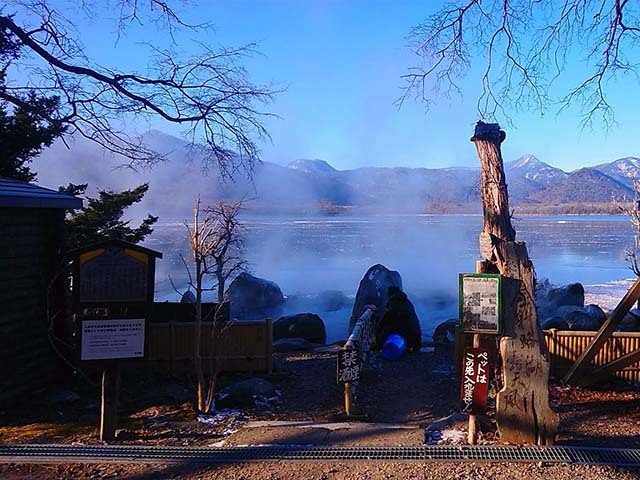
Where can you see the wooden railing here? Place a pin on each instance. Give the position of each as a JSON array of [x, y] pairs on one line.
[[567, 346]]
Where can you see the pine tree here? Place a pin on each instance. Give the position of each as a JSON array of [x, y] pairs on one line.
[[102, 219]]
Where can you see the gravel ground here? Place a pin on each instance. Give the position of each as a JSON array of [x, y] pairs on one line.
[[414, 392]]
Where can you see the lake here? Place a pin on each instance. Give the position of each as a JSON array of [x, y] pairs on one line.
[[307, 255]]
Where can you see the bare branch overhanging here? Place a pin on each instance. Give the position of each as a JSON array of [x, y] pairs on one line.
[[527, 47], [210, 93]]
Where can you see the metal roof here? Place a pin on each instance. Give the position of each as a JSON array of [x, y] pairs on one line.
[[26, 195], [115, 243]]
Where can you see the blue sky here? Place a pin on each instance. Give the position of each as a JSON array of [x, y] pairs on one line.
[[341, 63]]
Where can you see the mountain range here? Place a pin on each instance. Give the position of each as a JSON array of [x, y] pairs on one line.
[[308, 185]]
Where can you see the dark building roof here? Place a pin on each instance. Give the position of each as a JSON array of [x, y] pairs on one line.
[[26, 195], [116, 243]]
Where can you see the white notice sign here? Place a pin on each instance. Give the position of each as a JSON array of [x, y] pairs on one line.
[[113, 338], [480, 302]]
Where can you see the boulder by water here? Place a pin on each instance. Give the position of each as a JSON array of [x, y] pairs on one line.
[[373, 290], [549, 298], [332, 300], [253, 298], [307, 326], [571, 317], [294, 345], [446, 331]]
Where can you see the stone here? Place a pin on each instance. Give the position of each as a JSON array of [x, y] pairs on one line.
[[549, 299], [308, 326], [558, 323], [284, 345], [446, 331], [630, 323], [589, 318], [372, 290], [245, 393], [332, 300], [254, 298]]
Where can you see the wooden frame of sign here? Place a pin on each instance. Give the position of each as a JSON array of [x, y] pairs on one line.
[[113, 286], [480, 303]]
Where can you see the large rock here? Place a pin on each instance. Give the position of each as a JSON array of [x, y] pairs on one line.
[[631, 322], [332, 300], [549, 299], [571, 317], [245, 393], [254, 298], [284, 345], [446, 331], [558, 323], [308, 326], [373, 290]]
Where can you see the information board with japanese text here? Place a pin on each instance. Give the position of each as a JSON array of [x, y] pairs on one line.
[[475, 381], [104, 339], [480, 302]]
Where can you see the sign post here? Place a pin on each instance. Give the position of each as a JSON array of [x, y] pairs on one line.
[[349, 367], [113, 286], [480, 303]]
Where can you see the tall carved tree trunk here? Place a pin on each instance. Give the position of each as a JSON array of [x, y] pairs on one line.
[[523, 413]]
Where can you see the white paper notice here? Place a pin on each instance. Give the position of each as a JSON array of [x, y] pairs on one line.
[[113, 338]]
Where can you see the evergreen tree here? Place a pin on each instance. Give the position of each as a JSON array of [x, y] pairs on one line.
[[23, 136], [102, 219]]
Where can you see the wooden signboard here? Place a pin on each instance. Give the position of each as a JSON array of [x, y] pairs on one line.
[[113, 275], [113, 338], [475, 381], [349, 366], [480, 302]]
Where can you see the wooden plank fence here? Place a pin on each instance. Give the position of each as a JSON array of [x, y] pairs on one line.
[[566, 346], [244, 346]]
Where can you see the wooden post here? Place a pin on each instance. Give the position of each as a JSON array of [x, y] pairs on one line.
[[347, 398], [109, 408], [523, 414], [473, 419]]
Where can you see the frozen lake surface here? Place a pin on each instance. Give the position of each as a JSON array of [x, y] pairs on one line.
[[308, 255]]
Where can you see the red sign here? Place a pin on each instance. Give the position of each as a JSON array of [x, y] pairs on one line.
[[475, 381]]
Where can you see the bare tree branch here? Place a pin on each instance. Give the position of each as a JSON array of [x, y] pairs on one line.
[[527, 45], [209, 93]]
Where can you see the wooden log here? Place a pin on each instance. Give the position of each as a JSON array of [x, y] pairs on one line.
[[523, 414]]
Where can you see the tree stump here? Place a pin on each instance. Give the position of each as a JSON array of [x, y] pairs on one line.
[[523, 414]]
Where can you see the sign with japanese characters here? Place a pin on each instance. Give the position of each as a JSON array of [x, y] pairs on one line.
[[113, 338], [480, 302], [475, 381], [113, 275], [349, 366]]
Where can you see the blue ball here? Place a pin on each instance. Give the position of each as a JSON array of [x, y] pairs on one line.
[[394, 346]]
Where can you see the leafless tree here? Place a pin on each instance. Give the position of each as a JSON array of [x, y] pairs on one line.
[[527, 47], [216, 239], [209, 93], [631, 208]]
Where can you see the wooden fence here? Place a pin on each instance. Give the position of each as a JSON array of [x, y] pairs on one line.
[[566, 346], [244, 346]]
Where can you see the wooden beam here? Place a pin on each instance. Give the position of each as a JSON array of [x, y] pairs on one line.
[[610, 368], [608, 327]]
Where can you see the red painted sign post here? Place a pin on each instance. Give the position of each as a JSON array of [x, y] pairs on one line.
[[475, 381]]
